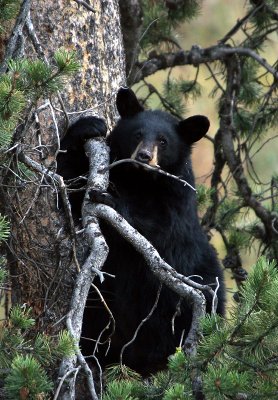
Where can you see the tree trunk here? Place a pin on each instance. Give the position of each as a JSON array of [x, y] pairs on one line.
[[45, 252]]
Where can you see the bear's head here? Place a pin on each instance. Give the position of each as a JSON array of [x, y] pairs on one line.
[[153, 137]]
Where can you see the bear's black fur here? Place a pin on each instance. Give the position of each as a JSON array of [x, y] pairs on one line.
[[160, 208]]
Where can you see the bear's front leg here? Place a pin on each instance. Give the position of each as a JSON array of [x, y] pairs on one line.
[[87, 128], [98, 196]]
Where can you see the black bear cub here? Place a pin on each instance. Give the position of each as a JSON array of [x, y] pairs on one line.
[[161, 209]]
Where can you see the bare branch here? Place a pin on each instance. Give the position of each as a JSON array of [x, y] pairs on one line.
[[34, 38], [86, 5], [151, 168], [82, 362], [163, 271], [141, 324], [196, 56], [75, 371], [98, 248]]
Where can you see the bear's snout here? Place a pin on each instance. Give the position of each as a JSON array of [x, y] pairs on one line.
[[144, 156]]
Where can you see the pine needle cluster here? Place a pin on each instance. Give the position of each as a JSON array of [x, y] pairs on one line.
[[25, 359], [4, 228], [25, 82], [204, 194]]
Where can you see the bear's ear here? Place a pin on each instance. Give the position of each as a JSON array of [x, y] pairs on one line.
[[127, 103], [193, 128]]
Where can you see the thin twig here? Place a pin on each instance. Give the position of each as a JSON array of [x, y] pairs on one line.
[[98, 251], [63, 191], [177, 313], [85, 5], [149, 167], [240, 22], [140, 325], [62, 379], [82, 362], [109, 312]]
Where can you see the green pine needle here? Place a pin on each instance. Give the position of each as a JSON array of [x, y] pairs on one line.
[[227, 213], [66, 345], [119, 390], [27, 377], [204, 197], [177, 361], [177, 392], [12, 100], [221, 383], [121, 372], [6, 130], [3, 272], [4, 228], [66, 61], [237, 238], [20, 317]]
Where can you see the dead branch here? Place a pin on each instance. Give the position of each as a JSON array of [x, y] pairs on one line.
[[86, 5], [140, 325], [98, 248], [151, 168], [163, 271], [166, 275], [75, 371], [233, 160], [195, 57]]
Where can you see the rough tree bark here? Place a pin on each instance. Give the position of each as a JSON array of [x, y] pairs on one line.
[[43, 248]]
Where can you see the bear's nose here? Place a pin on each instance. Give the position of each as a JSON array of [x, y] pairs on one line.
[[144, 156]]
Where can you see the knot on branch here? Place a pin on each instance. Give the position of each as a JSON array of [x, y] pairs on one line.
[[195, 55]]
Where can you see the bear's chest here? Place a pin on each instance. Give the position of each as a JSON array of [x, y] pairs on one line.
[[159, 218]]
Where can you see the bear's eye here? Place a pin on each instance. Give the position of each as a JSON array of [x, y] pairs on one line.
[[138, 135], [162, 140]]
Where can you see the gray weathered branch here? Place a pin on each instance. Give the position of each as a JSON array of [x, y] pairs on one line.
[[196, 56], [98, 252]]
